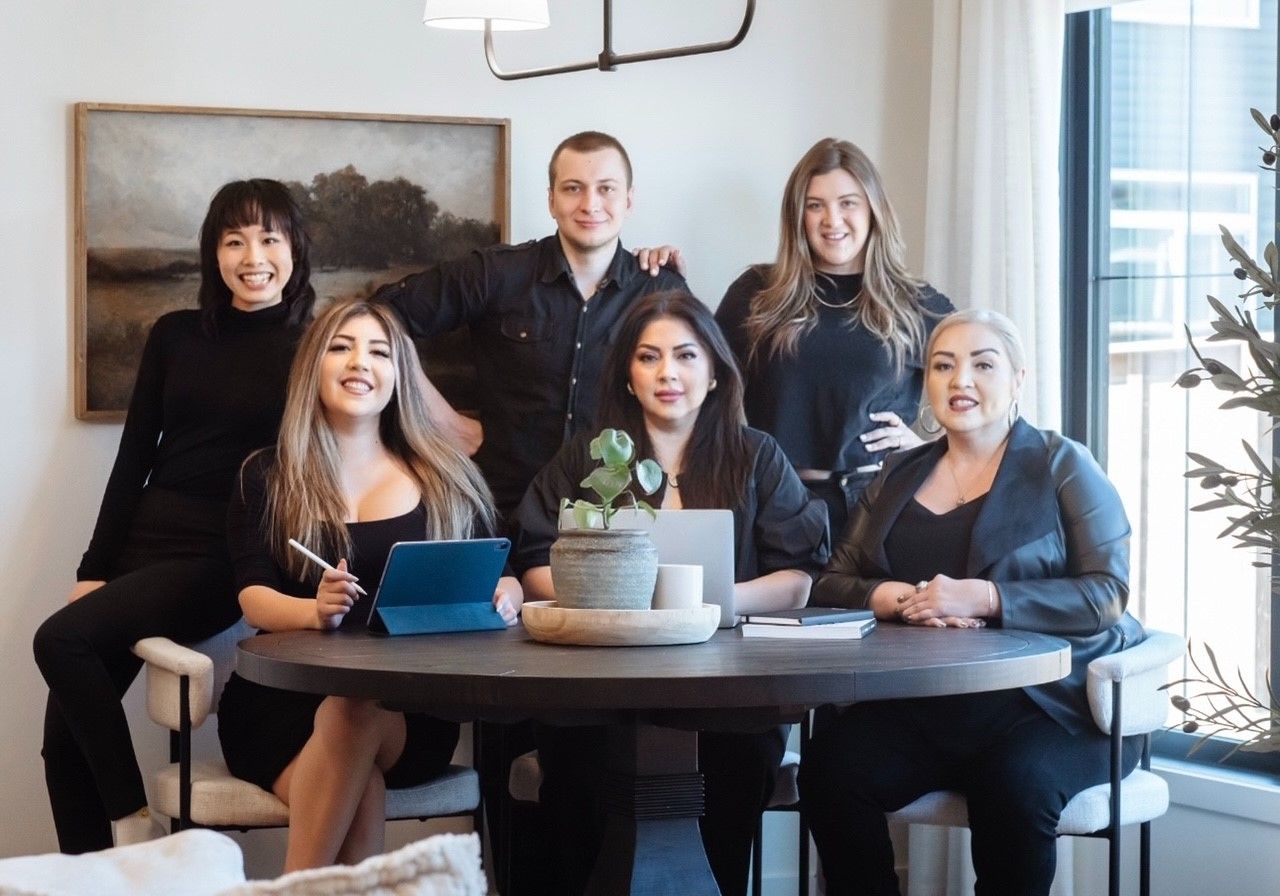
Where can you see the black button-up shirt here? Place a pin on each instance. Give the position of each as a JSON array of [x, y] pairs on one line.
[[538, 347]]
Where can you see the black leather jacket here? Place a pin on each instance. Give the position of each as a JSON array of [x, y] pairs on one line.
[[1052, 535]]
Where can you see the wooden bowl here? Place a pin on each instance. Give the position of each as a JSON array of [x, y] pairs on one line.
[[546, 621]]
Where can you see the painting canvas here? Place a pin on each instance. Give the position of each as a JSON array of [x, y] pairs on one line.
[[383, 195]]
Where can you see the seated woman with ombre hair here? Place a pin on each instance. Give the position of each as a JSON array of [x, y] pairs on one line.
[[997, 523], [359, 466], [670, 381]]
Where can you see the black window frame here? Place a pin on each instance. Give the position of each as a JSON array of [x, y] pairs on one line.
[[1085, 180]]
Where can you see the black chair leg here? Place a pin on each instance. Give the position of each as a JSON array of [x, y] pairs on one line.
[[802, 885]]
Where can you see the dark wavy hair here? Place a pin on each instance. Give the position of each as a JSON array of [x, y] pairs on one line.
[[716, 464], [268, 204]]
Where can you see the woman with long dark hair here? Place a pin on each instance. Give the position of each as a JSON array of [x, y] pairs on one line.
[[210, 389], [359, 465], [671, 382], [830, 336]]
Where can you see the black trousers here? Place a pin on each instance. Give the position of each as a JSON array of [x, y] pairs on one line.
[[840, 493], [173, 580], [1016, 767], [739, 771]]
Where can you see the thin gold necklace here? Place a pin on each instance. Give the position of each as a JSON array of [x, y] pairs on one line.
[[951, 468]]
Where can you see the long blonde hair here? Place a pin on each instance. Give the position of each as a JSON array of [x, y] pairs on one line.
[[304, 495], [889, 303]]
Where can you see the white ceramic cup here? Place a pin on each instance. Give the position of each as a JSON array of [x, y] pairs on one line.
[[679, 586]]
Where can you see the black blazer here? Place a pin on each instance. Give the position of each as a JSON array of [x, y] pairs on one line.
[[1052, 535]]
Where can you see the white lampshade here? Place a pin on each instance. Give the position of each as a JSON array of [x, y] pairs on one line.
[[506, 15]]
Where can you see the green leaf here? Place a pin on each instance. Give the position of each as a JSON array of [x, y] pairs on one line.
[[587, 515], [1253, 456], [648, 476], [1204, 461], [1212, 505], [647, 508], [607, 482], [1262, 121], [616, 448]]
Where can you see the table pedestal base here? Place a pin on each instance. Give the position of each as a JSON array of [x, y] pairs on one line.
[[653, 800]]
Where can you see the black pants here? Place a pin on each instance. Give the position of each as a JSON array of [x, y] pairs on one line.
[[840, 493], [1016, 767], [174, 580], [739, 772]]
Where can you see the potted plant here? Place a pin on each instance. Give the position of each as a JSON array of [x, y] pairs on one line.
[[1219, 702], [596, 566]]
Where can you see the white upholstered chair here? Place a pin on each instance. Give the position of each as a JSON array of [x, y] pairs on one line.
[[1125, 698], [183, 686]]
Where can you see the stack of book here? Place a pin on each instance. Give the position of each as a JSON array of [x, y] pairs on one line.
[[809, 622]]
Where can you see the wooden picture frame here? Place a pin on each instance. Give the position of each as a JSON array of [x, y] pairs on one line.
[[145, 175]]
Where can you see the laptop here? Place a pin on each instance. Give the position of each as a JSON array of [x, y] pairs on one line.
[[439, 586], [704, 537]]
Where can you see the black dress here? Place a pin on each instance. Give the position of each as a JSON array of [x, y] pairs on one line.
[[262, 729]]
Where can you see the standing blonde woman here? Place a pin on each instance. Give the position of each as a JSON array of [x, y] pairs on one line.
[[830, 336], [358, 467]]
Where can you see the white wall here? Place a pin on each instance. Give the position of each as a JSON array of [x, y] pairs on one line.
[[712, 139]]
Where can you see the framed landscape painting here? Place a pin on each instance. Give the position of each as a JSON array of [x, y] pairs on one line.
[[383, 195]]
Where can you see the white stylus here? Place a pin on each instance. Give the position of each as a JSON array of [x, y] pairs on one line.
[[297, 546]]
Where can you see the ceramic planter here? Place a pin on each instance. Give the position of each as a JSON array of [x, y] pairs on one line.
[[604, 569]]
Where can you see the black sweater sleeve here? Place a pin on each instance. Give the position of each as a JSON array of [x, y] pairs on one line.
[[134, 459]]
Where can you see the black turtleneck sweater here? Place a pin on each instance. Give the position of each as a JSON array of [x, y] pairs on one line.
[[816, 402], [201, 403]]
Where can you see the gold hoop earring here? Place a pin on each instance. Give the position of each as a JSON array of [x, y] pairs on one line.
[[712, 387], [929, 421], [630, 390]]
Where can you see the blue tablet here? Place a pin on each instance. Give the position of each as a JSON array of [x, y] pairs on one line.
[[439, 586]]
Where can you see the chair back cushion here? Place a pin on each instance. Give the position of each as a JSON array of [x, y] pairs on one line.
[[1141, 670]]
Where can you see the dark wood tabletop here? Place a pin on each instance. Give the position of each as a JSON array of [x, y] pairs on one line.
[[507, 670], [655, 700]]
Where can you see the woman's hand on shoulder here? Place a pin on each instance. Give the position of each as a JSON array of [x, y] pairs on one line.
[[335, 596], [80, 589], [655, 259], [893, 435]]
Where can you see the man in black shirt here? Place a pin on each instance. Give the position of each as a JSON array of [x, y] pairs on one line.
[[541, 317], [541, 314]]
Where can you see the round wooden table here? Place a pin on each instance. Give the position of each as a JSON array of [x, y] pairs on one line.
[[655, 699]]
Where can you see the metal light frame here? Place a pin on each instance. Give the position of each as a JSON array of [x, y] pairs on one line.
[[608, 60]]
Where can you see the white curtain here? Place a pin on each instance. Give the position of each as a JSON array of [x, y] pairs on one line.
[[992, 232], [992, 240]]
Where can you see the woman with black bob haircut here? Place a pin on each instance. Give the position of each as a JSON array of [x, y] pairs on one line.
[[210, 389], [270, 205], [671, 382]]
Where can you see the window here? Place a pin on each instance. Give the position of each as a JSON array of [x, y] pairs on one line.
[[1159, 151]]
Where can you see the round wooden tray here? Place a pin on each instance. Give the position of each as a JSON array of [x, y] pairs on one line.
[[618, 628]]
